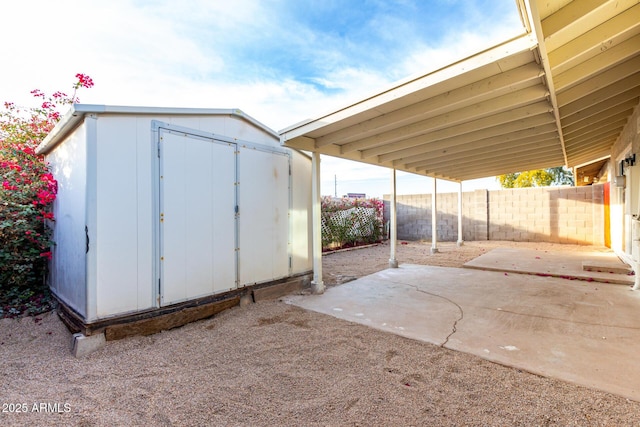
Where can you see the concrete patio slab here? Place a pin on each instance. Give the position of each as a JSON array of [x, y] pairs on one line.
[[587, 333], [603, 266]]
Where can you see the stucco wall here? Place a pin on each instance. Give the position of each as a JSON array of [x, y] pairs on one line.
[[550, 214], [625, 146], [629, 140]]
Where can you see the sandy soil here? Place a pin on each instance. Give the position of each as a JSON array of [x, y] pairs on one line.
[[340, 267], [274, 364]]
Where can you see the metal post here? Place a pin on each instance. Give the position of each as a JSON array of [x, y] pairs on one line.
[[434, 215], [393, 226], [317, 284], [460, 241]]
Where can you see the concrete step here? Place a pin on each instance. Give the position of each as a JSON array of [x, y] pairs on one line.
[[607, 267], [592, 267]]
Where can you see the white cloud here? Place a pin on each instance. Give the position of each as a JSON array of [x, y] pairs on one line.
[[194, 54], [456, 46], [126, 50]]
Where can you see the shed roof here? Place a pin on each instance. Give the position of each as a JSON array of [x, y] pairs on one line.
[[77, 111], [559, 94]]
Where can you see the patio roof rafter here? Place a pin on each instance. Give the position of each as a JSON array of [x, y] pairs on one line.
[[534, 141], [548, 145], [488, 89], [624, 109], [427, 143], [482, 115], [523, 104], [629, 85]]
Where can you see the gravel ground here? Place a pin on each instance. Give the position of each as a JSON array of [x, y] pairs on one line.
[[273, 364]]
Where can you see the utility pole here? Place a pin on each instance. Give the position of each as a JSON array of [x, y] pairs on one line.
[[335, 185]]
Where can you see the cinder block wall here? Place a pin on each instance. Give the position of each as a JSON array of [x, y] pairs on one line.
[[549, 214]]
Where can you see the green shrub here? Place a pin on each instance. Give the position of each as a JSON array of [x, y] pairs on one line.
[[27, 192], [349, 222]]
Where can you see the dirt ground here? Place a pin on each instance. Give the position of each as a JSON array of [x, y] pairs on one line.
[[273, 364]]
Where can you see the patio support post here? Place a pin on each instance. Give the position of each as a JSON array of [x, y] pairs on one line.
[[434, 215], [460, 241], [635, 232], [393, 226], [317, 284]]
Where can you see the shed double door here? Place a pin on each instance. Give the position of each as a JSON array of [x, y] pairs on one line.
[[198, 205]]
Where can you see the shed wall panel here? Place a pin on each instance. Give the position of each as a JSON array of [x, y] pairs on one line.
[[146, 215], [264, 215], [68, 270], [224, 125], [118, 198], [301, 214], [236, 128]]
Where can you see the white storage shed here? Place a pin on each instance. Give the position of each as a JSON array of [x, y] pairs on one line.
[[163, 209]]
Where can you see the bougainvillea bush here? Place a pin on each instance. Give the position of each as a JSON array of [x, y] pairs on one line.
[[349, 222], [27, 192]]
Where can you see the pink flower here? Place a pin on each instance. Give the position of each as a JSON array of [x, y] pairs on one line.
[[46, 255], [47, 177], [49, 180], [7, 186], [27, 150], [84, 81], [47, 215], [45, 197]]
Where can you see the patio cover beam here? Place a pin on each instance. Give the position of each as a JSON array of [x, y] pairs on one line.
[[534, 18]]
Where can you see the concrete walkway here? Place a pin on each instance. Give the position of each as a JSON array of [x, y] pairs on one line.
[[584, 332]]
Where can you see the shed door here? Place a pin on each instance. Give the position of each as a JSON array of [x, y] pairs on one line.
[[264, 199], [197, 216]]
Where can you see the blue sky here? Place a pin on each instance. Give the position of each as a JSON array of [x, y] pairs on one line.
[[280, 61]]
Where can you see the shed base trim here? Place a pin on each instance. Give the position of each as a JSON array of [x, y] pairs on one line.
[[165, 318]]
